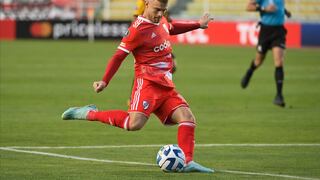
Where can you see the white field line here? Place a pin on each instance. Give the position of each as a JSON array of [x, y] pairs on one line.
[[267, 174], [148, 164], [75, 157], [160, 145]]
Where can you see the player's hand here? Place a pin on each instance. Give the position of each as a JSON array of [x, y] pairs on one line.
[[98, 86], [204, 20]]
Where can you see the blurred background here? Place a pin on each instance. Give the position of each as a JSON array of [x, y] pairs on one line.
[[303, 10], [109, 19]]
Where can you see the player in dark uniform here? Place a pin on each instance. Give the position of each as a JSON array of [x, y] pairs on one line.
[[272, 37]]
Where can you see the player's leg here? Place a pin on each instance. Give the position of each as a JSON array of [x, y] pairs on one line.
[[129, 121], [132, 120], [175, 110], [255, 63], [186, 128], [278, 57], [118, 118], [262, 47]]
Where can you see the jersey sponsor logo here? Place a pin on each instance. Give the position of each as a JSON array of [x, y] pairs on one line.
[[162, 46], [123, 44]]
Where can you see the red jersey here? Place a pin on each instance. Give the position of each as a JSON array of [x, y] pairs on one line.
[[151, 48], [150, 45]]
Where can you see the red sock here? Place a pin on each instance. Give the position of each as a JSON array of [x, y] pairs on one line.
[[186, 138], [116, 118]]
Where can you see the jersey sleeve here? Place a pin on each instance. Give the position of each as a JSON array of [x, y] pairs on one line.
[[130, 41], [179, 27], [113, 65]]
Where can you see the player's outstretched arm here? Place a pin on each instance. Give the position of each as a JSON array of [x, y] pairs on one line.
[[179, 27], [111, 69]]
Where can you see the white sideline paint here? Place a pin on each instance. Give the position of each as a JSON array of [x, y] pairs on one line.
[[147, 164], [160, 145], [266, 174], [76, 157]]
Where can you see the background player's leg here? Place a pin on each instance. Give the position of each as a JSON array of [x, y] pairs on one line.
[[278, 57], [253, 66]]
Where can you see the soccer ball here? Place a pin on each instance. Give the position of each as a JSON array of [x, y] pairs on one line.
[[170, 158]]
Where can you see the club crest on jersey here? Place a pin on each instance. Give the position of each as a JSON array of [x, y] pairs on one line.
[[145, 105]]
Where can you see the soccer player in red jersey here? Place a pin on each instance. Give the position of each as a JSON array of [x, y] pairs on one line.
[[153, 91]]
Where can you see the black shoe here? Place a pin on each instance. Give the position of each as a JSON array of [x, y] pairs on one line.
[[279, 101], [245, 81]]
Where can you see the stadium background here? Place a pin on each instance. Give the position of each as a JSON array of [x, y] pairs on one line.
[[109, 19], [47, 65]]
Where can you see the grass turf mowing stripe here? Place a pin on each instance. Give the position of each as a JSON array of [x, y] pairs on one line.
[[148, 164], [76, 157], [160, 145]]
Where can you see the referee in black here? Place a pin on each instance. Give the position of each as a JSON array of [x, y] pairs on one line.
[[272, 37]]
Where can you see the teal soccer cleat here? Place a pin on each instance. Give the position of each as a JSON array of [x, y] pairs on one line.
[[75, 113], [195, 167]]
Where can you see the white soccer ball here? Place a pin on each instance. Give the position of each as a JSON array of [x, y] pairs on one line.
[[170, 158]]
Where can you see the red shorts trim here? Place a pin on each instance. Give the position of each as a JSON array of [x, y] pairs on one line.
[[148, 97]]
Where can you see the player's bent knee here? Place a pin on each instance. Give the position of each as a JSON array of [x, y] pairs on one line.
[[183, 114], [189, 117], [135, 127], [137, 122]]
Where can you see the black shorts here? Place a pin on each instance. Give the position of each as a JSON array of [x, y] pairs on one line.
[[271, 36]]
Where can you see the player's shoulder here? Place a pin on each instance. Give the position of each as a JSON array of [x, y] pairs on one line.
[[136, 24]]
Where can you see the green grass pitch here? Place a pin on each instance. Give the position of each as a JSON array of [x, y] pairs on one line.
[[40, 79]]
